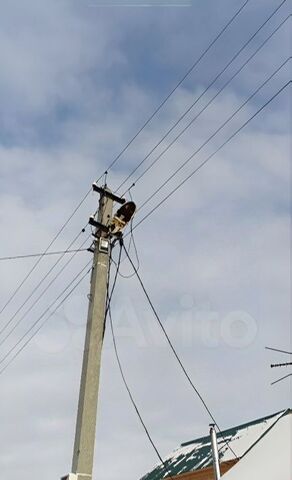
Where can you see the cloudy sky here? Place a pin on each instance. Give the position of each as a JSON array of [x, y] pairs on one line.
[[77, 80]]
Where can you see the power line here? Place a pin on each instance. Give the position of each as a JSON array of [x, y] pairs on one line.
[[131, 242], [109, 296], [283, 64], [44, 278], [277, 350], [199, 395], [108, 310], [213, 154], [132, 239], [43, 254], [123, 150], [202, 94], [46, 319], [208, 103], [189, 71], [280, 379], [35, 301], [132, 398]]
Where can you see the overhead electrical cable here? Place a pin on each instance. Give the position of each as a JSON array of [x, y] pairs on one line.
[[277, 350], [282, 89], [281, 379], [195, 389], [47, 254], [109, 295], [36, 287], [203, 93], [210, 102], [132, 398], [214, 134], [190, 70], [20, 285], [45, 320], [35, 301], [220, 147], [137, 410], [131, 242]]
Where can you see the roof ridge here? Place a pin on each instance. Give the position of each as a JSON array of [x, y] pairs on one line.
[[195, 455], [288, 411], [241, 426]]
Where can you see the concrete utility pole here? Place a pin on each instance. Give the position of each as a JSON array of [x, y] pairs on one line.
[[106, 226], [86, 418], [83, 453]]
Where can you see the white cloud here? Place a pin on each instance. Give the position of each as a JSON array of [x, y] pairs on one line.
[[223, 240]]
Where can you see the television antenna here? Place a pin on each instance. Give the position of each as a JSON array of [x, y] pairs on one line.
[[279, 365]]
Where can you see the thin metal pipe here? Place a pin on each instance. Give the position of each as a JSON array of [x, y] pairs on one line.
[[215, 453]]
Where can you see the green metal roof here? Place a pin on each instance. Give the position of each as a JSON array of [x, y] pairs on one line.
[[197, 454]]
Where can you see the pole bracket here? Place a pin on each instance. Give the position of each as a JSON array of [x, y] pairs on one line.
[[104, 192], [98, 225]]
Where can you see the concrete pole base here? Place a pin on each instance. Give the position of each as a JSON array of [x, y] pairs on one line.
[[77, 476]]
